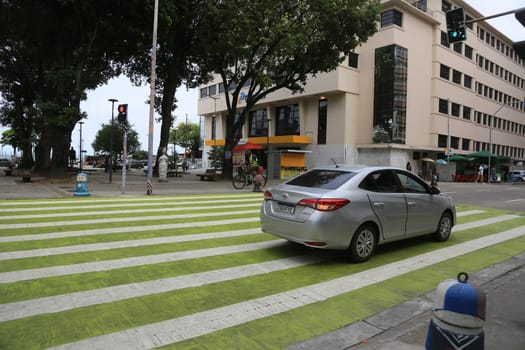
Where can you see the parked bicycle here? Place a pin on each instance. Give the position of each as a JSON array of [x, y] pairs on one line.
[[244, 178]]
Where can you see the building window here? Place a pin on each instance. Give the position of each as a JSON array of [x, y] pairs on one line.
[[455, 109], [444, 72], [443, 106], [353, 59], [444, 39], [212, 90], [204, 92], [467, 81], [287, 120], [467, 111], [456, 76], [445, 6], [221, 88], [468, 51], [321, 126], [465, 144], [442, 141], [390, 93], [258, 123], [454, 142], [458, 47], [238, 132], [213, 128], [391, 17]]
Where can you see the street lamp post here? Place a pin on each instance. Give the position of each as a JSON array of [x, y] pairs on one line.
[[80, 146], [112, 100]]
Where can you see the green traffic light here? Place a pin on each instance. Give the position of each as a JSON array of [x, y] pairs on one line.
[[454, 34]]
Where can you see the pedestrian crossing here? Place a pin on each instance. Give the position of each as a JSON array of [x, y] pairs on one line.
[[196, 272]]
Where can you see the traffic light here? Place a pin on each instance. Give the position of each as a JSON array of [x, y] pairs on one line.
[[456, 29], [122, 114]]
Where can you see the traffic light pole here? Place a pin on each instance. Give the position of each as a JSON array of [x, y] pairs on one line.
[[494, 16]]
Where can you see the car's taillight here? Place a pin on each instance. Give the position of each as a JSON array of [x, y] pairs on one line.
[[324, 204], [268, 196]]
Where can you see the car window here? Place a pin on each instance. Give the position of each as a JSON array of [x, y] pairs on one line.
[[382, 181], [319, 178], [410, 184]]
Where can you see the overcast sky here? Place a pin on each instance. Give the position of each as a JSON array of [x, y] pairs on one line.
[[98, 107]]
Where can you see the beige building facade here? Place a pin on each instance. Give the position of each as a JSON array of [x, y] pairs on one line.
[[406, 95]]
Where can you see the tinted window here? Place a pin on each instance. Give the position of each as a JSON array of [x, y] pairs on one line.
[[411, 184], [328, 179], [384, 182]]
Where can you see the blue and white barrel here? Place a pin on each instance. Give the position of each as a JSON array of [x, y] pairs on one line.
[[82, 186], [458, 316]]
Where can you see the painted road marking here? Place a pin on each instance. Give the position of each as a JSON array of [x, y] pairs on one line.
[[131, 211], [131, 219], [514, 200], [58, 303], [191, 326], [124, 244], [128, 229], [23, 275], [119, 202]]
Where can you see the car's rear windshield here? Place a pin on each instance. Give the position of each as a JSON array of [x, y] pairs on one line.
[[319, 178]]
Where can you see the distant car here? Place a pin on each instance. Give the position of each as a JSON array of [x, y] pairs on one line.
[[6, 166], [517, 175], [356, 209], [138, 164]]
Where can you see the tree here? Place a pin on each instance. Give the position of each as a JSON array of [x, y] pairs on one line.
[[102, 143], [179, 25], [264, 46], [51, 52], [9, 139], [187, 136]]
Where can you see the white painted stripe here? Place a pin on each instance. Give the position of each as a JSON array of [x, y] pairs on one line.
[[58, 303], [133, 211], [23, 275], [139, 200], [131, 205], [81, 248], [469, 212], [118, 220], [191, 326], [514, 200], [127, 229]]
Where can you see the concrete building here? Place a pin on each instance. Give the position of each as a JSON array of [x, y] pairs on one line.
[[405, 95]]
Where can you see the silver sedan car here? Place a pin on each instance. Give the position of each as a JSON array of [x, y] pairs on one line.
[[356, 209]]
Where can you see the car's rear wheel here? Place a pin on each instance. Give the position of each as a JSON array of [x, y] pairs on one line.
[[363, 243], [444, 228]]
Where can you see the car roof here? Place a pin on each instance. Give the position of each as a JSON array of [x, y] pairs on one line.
[[356, 168]]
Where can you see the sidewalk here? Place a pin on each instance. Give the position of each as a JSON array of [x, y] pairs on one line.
[[12, 187]]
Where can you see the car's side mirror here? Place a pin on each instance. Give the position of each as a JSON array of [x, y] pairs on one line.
[[434, 190]]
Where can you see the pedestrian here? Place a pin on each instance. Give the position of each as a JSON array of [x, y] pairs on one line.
[[72, 155], [409, 166], [480, 172]]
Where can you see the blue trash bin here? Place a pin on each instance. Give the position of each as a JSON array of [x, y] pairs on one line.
[[82, 186]]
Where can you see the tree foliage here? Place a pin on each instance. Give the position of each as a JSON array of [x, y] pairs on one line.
[[262, 46], [102, 143], [51, 52]]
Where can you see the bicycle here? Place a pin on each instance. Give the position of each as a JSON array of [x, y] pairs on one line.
[[243, 178]]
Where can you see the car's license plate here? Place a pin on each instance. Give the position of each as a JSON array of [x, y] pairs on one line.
[[287, 208]]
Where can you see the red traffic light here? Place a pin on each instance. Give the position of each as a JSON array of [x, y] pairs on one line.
[[122, 113]]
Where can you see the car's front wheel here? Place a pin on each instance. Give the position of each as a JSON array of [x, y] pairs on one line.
[[444, 228], [363, 243]]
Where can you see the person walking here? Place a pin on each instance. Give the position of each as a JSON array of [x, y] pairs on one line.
[[480, 172], [409, 166]]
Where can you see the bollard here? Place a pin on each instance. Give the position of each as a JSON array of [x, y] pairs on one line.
[[458, 316], [81, 188]]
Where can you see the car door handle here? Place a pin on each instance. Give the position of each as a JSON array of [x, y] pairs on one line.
[[411, 204], [379, 204]]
